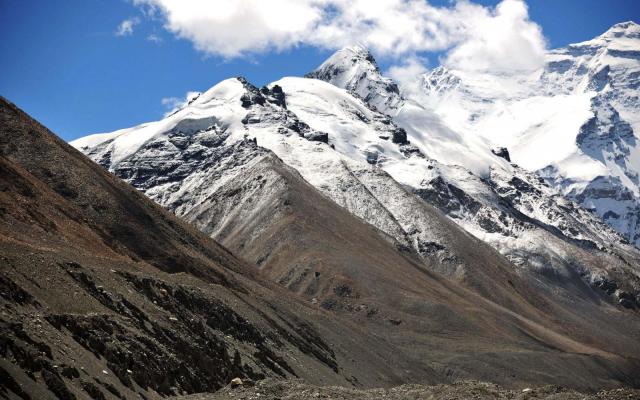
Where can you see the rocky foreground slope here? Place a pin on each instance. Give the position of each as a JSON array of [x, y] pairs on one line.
[[106, 295], [467, 390]]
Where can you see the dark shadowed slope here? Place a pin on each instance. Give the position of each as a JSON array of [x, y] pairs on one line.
[[104, 293]]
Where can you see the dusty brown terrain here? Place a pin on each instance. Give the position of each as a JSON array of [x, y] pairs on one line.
[[464, 390], [105, 295]]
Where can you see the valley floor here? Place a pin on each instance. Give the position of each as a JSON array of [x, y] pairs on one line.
[[297, 390]]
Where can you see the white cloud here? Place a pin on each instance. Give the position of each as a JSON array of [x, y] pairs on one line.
[[173, 104], [126, 27], [154, 38], [472, 36], [407, 72], [503, 39], [234, 28]]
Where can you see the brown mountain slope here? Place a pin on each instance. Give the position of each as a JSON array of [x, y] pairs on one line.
[[490, 323], [104, 294]]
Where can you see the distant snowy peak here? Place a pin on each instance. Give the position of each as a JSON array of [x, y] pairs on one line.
[[623, 30], [617, 47], [475, 90], [608, 68], [438, 81], [619, 42], [623, 37], [354, 69], [628, 28], [584, 100]]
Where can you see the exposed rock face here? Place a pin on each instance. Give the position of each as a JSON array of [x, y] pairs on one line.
[[400, 136], [502, 152], [604, 190], [608, 138], [254, 96]]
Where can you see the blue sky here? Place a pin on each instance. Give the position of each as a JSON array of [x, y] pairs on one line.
[[63, 63]]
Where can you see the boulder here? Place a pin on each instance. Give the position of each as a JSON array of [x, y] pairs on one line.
[[502, 152], [399, 136]]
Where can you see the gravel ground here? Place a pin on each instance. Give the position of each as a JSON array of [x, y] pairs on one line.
[[467, 390]]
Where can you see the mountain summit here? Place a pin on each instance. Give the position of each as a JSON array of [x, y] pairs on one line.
[[354, 69], [343, 139], [628, 29]]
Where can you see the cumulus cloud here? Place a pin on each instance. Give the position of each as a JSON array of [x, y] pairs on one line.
[[237, 27], [126, 27], [472, 36], [503, 39], [173, 104]]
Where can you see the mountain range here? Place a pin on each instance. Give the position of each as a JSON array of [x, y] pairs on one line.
[[339, 227], [382, 155]]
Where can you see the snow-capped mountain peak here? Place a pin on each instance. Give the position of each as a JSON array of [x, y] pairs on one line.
[[584, 100], [217, 106], [628, 29], [468, 174], [439, 80], [622, 37], [354, 69], [348, 63]]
